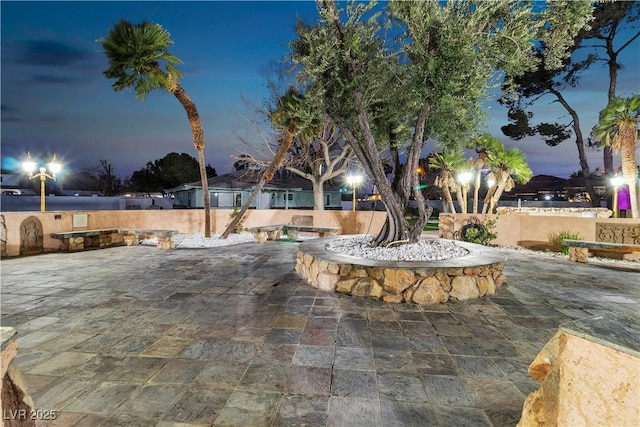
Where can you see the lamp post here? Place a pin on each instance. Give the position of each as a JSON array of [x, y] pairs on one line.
[[463, 179], [616, 181], [354, 181], [29, 166], [491, 182]]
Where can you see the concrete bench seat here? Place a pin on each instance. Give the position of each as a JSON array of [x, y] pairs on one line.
[[266, 232], [273, 232], [133, 236], [579, 249], [293, 230], [80, 240]]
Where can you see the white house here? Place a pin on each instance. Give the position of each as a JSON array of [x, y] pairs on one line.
[[285, 191]]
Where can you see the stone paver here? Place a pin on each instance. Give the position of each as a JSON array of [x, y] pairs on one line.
[[231, 336]]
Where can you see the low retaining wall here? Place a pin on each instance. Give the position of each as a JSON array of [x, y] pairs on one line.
[[540, 232], [13, 233], [422, 282]]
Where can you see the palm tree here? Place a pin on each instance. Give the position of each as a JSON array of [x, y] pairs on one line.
[[618, 128], [512, 167], [293, 117], [484, 146], [448, 162], [136, 54]]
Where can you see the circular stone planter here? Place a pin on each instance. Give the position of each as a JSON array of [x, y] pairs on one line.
[[471, 276]]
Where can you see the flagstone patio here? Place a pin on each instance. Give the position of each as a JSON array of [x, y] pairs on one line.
[[132, 336]]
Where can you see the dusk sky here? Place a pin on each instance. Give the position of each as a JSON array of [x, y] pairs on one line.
[[55, 98]]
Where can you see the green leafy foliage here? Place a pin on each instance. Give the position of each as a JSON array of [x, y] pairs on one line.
[[168, 172], [481, 234], [568, 236], [239, 227]]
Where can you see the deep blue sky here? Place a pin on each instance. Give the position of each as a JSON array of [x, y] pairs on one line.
[[55, 98]]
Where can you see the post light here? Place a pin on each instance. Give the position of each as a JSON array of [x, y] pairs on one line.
[[54, 167], [617, 182], [354, 181], [464, 178]]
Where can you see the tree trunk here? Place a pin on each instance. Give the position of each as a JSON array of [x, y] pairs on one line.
[[448, 198], [318, 194], [460, 199], [630, 168], [582, 157], [607, 152], [487, 200], [267, 176], [476, 188], [500, 186], [198, 142]]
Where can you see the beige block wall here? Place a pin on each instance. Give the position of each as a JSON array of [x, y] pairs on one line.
[[537, 231], [184, 221]]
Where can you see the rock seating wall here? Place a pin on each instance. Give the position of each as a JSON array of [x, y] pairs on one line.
[[414, 282]]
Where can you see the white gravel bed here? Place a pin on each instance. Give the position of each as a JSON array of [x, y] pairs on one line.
[[197, 240], [423, 250]]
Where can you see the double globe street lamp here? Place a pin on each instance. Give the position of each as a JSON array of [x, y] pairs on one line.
[[30, 166]]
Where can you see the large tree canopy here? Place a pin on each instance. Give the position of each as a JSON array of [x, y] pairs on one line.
[[170, 171], [399, 75], [601, 42]]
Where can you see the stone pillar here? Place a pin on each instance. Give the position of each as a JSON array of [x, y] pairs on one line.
[[589, 374]]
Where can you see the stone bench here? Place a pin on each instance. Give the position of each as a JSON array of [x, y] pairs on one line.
[[83, 239], [266, 232], [579, 249], [133, 236], [273, 232], [293, 230]]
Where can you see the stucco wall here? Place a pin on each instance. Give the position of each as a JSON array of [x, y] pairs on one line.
[[532, 231], [182, 220]]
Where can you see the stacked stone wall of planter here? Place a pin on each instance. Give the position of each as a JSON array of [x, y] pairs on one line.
[[422, 282]]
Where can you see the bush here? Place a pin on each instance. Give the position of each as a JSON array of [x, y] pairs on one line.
[[239, 228], [569, 236], [479, 233]]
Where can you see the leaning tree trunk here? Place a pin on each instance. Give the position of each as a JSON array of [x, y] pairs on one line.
[[448, 198], [267, 176], [582, 157], [500, 187], [198, 141]]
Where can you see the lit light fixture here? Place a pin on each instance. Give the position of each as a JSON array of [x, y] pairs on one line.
[[30, 166], [354, 181], [617, 182]]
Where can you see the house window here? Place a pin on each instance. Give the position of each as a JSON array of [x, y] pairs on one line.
[[327, 200], [237, 200], [288, 196], [213, 197]]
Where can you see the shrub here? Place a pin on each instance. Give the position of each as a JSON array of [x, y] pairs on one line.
[[239, 228], [479, 233], [569, 236]]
